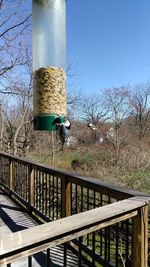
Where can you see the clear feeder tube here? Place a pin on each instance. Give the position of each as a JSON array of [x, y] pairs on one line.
[[49, 57]]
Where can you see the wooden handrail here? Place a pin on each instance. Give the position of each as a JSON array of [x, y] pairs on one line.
[[114, 190], [38, 238]]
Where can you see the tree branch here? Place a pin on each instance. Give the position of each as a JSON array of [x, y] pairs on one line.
[[15, 26], [1, 2]]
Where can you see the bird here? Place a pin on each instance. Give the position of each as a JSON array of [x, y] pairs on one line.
[[92, 126], [63, 129]]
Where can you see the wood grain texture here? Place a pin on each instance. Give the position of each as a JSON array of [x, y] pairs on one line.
[[50, 234], [140, 238]]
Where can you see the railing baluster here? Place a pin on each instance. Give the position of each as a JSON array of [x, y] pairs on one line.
[[117, 244], [53, 197], [31, 186], [76, 196], [65, 255], [27, 184], [29, 261], [71, 200], [38, 189], [81, 198], [88, 209], [79, 252], [108, 236], [101, 231], [11, 176], [127, 241], [49, 196], [48, 258], [57, 198], [46, 197], [93, 234], [106, 244], [42, 191], [93, 249], [60, 198]]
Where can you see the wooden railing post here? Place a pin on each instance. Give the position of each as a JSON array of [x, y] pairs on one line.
[[11, 175], [66, 197], [140, 238], [31, 186]]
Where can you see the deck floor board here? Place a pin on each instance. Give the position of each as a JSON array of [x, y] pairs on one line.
[[13, 219]]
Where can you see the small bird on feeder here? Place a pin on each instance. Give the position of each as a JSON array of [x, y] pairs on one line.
[[92, 126], [63, 129]]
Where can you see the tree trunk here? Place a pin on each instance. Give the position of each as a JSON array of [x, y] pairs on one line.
[[15, 149]]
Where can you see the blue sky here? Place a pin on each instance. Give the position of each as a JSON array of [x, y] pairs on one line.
[[108, 42]]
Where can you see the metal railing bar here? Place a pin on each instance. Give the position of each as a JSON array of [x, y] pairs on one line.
[[29, 261], [48, 258]]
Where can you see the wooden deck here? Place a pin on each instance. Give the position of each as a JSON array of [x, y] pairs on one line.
[[13, 219], [60, 197]]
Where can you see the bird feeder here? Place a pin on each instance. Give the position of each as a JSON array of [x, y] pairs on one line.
[[49, 57]]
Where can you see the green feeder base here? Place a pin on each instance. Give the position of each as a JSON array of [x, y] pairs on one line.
[[46, 122]]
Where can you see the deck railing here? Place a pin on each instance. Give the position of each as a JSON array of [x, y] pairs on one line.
[[51, 194]]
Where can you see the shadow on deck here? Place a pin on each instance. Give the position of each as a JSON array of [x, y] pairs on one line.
[[13, 219]]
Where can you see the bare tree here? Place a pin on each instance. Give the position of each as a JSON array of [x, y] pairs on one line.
[[140, 110], [17, 114], [14, 31], [18, 124], [15, 70], [94, 110], [116, 100], [25, 94], [74, 92]]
